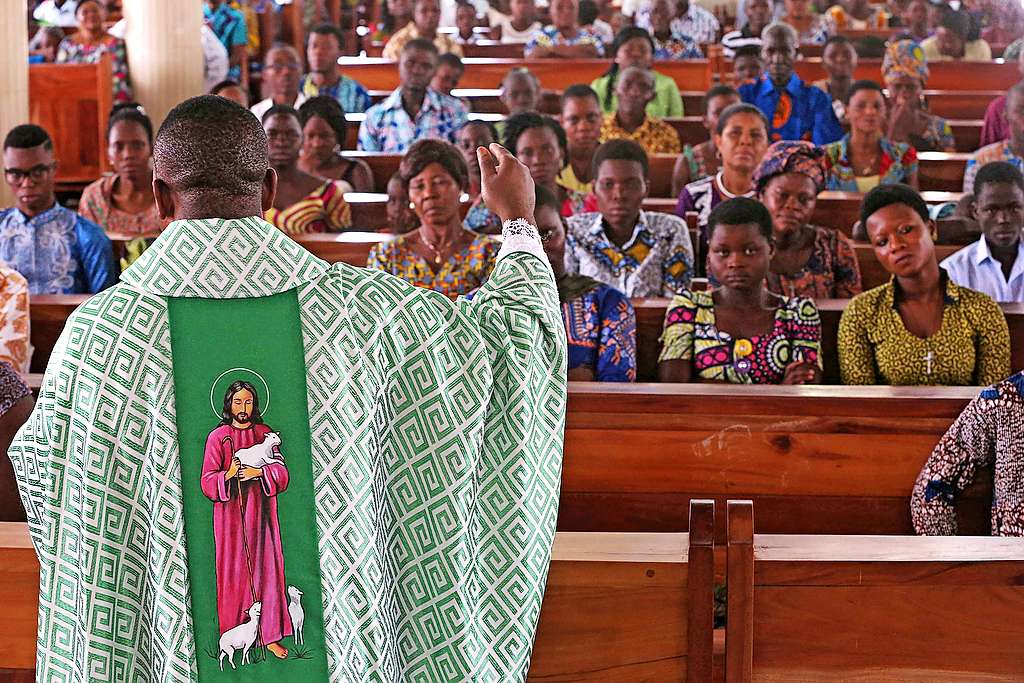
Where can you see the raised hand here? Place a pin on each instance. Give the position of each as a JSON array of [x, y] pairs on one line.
[[505, 184]]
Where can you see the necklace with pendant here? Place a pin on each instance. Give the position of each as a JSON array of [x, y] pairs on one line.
[[435, 249]]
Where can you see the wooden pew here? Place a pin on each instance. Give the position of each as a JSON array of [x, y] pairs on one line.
[[49, 313], [960, 104], [556, 74], [650, 319], [825, 608], [942, 171], [72, 102], [942, 76], [816, 459], [605, 591]]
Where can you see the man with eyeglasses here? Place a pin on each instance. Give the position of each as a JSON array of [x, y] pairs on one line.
[[282, 71], [56, 250]]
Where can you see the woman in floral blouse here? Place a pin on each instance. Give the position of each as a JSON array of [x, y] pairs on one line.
[[865, 158], [91, 42], [740, 332], [809, 260]]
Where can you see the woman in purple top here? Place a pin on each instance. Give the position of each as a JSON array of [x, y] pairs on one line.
[[741, 139]]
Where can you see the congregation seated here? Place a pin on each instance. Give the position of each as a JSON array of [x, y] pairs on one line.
[[747, 64], [797, 110], [122, 202], [324, 130], [233, 91], [581, 120], [857, 15], [401, 219], [668, 44], [91, 41], [521, 91], [541, 144], [741, 139], [632, 121], [994, 265], [449, 71], [995, 127], [325, 78], [839, 59], [229, 25], [394, 16], [519, 25], [441, 254], [811, 28], [53, 248], [690, 20], [865, 158], [600, 323], [808, 261], [633, 47], [920, 328], [701, 160], [414, 111], [640, 253], [985, 435], [282, 72], [564, 38], [905, 71], [1010, 150], [426, 16], [954, 39], [740, 332], [758, 16], [303, 203], [468, 139]]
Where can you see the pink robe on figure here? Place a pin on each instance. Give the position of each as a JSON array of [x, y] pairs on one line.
[[262, 534]]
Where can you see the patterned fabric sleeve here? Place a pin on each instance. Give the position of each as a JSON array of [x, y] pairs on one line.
[[15, 322], [677, 339], [856, 354], [122, 82], [538, 39], [97, 256], [969, 172], [846, 268], [369, 136], [942, 134], [992, 341], [380, 257], [616, 353], [336, 210], [968, 446], [677, 269], [360, 97], [909, 161], [805, 331], [91, 205], [572, 259]]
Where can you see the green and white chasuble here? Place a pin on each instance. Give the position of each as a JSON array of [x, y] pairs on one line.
[[247, 464]]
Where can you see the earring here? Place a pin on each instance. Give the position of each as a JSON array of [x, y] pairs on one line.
[[411, 206]]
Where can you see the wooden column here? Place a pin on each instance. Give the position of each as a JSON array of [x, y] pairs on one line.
[[13, 75], [165, 57]]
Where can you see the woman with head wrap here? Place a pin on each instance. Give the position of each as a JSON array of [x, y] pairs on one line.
[[905, 70], [809, 261]]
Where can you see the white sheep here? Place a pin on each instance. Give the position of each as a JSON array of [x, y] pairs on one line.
[[295, 612], [261, 454], [240, 637]]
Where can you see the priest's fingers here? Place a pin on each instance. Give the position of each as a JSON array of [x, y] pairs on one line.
[[507, 190]]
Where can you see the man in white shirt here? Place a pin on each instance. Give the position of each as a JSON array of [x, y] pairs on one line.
[[56, 12], [691, 20], [282, 71], [994, 264]]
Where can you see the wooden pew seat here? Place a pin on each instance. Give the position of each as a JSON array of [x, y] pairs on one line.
[[816, 459], [826, 608]]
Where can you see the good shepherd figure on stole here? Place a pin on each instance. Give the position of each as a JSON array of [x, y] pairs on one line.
[[243, 472]]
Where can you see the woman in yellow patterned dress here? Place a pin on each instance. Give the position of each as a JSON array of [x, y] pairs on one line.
[[441, 254], [920, 327], [303, 203]]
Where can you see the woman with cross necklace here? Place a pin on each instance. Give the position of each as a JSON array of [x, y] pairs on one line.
[[920, 327]]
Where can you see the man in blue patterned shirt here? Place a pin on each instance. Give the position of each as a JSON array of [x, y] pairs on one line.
[[229, 26], [56, 250], [322, 53], [414, 111]]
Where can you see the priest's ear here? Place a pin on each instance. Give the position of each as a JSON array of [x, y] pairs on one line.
[[269, 189], [164, 199]]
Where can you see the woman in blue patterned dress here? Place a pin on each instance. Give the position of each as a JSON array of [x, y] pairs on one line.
[[600, 323], [741, 332]]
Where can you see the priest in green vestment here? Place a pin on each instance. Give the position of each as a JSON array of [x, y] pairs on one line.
[[248, 464]]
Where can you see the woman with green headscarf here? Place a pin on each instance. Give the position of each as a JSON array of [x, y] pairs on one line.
[[905, 70]]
